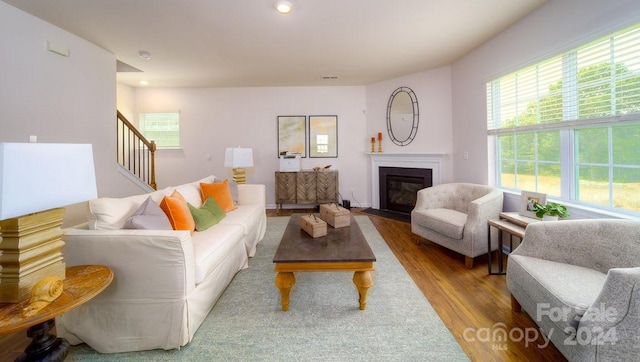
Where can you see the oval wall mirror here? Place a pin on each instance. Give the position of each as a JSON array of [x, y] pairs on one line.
[[402, 116]]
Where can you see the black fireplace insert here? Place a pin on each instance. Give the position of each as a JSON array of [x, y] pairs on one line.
[[399, 187]]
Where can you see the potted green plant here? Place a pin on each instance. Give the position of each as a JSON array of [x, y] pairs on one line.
[[550, 211]]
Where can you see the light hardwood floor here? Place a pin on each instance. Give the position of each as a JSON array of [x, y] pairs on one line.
[[469, 301]]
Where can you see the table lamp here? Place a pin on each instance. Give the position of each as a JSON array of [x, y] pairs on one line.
[[36, 180], [239, 158]]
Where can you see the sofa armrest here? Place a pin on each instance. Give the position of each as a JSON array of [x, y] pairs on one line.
[[252, 194], [147, 264], [613, 318]]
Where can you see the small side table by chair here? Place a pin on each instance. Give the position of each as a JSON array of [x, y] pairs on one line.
[[82, 283], [512, 224]]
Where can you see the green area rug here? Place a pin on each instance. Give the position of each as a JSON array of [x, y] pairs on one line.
[[323, 322]]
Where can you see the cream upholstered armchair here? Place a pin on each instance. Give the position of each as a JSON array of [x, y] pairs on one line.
[[579, 280], [455, 216]]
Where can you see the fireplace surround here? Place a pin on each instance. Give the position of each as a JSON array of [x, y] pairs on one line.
[[402, 160]]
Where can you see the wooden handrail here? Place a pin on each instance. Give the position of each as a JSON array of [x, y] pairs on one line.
[[133, 129], [135, 152]]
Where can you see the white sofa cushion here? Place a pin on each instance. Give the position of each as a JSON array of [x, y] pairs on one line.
[[244, 215], [250, 218], [212, 246], [191, 191]]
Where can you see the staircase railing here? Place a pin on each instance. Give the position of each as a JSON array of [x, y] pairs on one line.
[[135, 152]]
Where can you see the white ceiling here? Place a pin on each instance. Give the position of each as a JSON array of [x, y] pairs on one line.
[[209, 43]]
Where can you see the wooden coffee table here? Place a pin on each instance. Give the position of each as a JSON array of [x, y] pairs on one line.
[[343, 250]]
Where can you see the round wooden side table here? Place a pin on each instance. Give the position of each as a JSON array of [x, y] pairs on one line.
[[82, 283]]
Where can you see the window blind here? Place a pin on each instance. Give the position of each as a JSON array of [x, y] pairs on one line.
[[569, 126], [594, 83]]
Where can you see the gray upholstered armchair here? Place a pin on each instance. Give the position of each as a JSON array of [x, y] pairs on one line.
[[579, 280], [455, 216]]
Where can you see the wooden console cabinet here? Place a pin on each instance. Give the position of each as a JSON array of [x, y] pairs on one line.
[[306, 187]]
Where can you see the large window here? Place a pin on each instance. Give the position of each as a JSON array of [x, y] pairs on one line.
[[163, 128], [570, 126]]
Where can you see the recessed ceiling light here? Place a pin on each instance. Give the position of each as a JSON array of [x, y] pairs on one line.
[[283, 7], [143, 82], [144, 54]]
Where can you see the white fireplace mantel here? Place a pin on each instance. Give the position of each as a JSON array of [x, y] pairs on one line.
[[408, 160]]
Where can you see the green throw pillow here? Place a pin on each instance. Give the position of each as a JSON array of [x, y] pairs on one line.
[[209, 214], [212, 205]]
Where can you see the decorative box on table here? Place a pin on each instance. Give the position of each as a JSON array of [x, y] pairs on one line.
[[313, 225], [335, 215]]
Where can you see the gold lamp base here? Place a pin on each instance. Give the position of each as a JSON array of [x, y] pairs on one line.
[[239, 175], [30, 250]]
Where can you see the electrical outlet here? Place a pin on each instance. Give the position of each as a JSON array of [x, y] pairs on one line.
[[352, 190]]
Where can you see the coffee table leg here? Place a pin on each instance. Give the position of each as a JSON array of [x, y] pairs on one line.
[[284, 282], [363, 281]]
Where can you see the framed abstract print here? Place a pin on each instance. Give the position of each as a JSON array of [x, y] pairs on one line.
[[292, 132]]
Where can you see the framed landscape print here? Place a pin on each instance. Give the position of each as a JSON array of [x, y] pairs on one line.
[[323, 136], [292, 132], [527, 199]]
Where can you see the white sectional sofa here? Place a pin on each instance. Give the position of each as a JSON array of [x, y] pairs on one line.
[[166, 281]]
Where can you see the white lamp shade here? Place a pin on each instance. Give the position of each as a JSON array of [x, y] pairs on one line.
[[41, 176], [238, 157]]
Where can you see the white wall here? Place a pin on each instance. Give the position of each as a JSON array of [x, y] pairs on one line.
[[433, 92], [212, 119], [553, 28], [125, 100], [56, 98]]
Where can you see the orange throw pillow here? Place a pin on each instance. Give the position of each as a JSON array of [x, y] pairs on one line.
[[178, 212], [220, 192]]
